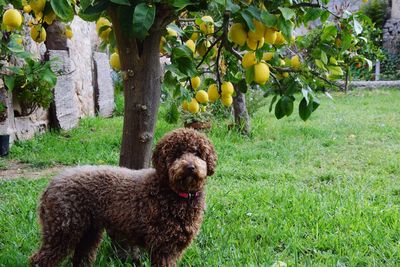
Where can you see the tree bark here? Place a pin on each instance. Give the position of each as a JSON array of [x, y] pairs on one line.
[[242, 118], [141, 72]]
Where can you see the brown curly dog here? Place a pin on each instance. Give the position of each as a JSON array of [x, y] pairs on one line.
[[159, 210]]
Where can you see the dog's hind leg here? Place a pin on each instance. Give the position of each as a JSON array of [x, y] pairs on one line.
[[51, 252], [85, 250]]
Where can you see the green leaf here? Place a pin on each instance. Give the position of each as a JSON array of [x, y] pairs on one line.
[[121, 2], [357, 26], [304, 110], [172, 114], [286, 27], [143, 18], [249, 74], [320, 64], [287, 13], [182, 58], [268, 19], [179, 4], [346, 41], [280, 110], [324, 58], [312, 14], [273, 102], [94, 10], [335, 70], [9, 81], [233, 8], [63, 9], [248, 17], [329, 33]]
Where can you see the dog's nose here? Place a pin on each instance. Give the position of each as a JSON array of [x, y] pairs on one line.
[[191, 167]]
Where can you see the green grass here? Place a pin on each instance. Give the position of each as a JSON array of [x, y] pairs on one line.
[[321, 193]]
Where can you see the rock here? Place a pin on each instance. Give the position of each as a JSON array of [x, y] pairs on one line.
[[103, 88], [65, 112]]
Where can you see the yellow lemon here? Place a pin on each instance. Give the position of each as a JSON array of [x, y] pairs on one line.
[[68, 33], [38, 33], [193, 106], [12, 18], [261, 73], [172, 32], [195, 81], [280, 40], [227, 100], [191, 45], [37, 5], [268, 56], [115, 63], [202, 97], [259, 31], [27, 9], [104, 25], [213, 94], [238, 34], [194, 36], [249, 59], [270, 36], [185, 105], [227, 89], [203, 47], [295, 62], [207, 26], [255, 44], [50, 17]]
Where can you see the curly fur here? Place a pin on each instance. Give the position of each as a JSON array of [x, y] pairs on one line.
[[139, 208]]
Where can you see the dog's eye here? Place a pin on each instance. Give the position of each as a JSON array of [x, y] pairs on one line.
[[197, 153]]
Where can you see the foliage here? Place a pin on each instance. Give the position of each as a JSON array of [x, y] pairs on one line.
[[323, 193], [376, 10], [31, 84]]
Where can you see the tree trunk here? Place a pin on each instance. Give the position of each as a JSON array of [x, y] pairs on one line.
[[140, 65], [242, 119]]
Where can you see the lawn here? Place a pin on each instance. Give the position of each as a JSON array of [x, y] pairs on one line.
[[321, 193]]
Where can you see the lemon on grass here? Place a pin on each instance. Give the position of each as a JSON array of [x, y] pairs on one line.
[[202, 97], [115, 63], [12, 18], [270, 36], [261, 73], [195, 81], [38, 33], [189, 43], [238, 34], [227, 89], [227, 100], [212, 92], [295, 62], [249, 59], [193, 106]]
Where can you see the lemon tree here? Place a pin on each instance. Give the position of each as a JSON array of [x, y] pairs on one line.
[[251, 45]]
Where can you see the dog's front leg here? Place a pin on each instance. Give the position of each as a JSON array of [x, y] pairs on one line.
[[163, 259]]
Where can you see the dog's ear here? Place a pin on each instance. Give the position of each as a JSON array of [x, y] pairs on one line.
[[158, 158], [210, 156]]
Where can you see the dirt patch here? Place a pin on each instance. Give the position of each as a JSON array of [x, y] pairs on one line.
[[16, 169]]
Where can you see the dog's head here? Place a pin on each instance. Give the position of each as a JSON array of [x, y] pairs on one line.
[[186, 157]]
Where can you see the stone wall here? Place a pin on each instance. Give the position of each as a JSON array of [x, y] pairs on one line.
[[74, 94], [391, 30]]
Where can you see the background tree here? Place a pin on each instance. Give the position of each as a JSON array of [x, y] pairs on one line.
[[214, 46]]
